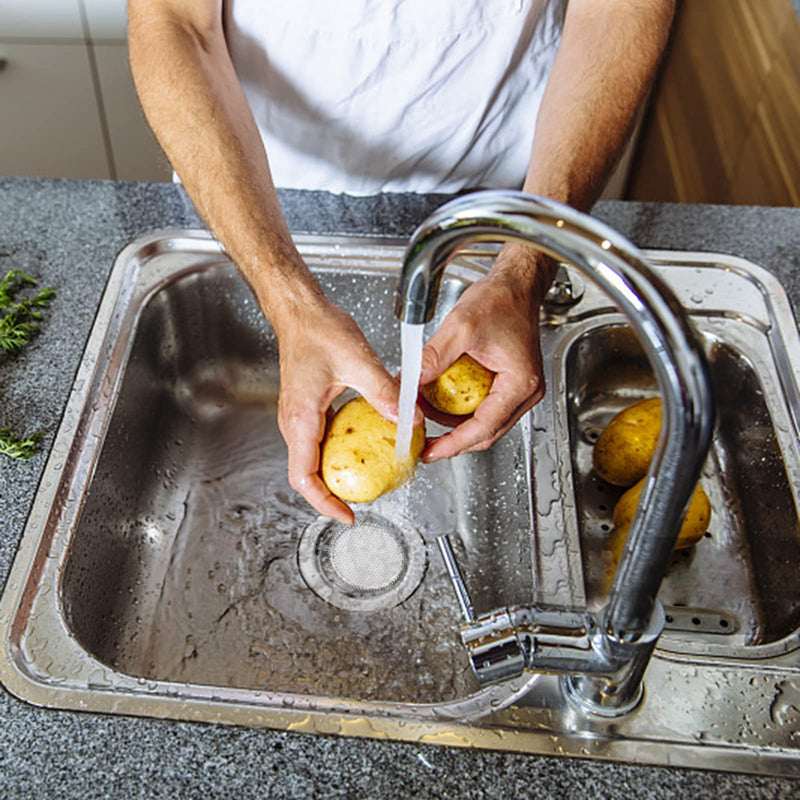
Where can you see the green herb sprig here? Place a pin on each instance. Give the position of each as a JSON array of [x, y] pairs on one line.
[[21, 449], [19, 321]]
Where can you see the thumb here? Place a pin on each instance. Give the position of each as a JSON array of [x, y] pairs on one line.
[[442, 349], [383, 394], [380, 390]]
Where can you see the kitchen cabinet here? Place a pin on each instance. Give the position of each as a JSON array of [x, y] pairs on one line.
[[726, 110], [40, 19], [51, 122], [136, 154], [107, 20], [67, 96]]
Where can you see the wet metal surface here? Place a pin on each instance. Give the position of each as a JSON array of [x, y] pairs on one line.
[[159, 573]]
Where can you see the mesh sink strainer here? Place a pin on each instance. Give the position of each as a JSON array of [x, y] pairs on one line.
[[372, 565]]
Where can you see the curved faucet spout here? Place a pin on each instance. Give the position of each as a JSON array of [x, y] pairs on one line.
[[669, 340]]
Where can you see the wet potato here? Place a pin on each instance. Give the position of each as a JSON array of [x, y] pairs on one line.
[[461, 388], [695, 523], [358, 459], [622, 456], [624, 449]]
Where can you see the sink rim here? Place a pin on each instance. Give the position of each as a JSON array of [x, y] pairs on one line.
[[545, 733]]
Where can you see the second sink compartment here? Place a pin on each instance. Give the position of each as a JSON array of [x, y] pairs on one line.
[[735, 589]]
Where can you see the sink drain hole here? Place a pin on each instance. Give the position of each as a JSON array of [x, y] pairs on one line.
[[369, 566]]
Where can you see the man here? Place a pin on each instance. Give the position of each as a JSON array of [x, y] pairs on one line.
[[376, 95]]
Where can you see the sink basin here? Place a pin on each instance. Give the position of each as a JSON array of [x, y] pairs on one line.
[[168, 570], [738, 587], [192, 560]]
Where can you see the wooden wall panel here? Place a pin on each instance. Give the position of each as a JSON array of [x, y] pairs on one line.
[[724, 123]]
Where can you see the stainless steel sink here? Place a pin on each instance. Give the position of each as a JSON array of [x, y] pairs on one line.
[[167, 569]]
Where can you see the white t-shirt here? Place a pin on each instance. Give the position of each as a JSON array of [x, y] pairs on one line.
[[365, 96]]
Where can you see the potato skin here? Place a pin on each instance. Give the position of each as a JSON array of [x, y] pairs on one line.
[[461, 388], [358, 463], [695, 523], [623, 452]]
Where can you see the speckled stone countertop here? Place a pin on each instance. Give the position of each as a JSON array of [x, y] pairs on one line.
[[67, 233]]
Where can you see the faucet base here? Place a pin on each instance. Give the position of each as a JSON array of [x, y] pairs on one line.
[[589, 695], [614, 693]]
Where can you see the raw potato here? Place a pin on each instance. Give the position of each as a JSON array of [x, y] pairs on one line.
[[461, 388], [624, 449], [358, 463], [695, 523]]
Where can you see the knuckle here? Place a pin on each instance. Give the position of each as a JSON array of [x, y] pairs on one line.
[[286, 426], [536, 387], [293, 417], [485, 438], [484, 444], [430, 357], [387, 386], [297, 480]]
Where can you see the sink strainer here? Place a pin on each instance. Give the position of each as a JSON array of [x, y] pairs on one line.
[[372, 565]]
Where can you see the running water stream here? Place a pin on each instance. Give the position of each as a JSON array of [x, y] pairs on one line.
[[411, 367]]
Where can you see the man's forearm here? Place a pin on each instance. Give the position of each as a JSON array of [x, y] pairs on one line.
[[605, 63], [194, 103]]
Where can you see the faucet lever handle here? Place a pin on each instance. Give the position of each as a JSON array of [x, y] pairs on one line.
[[456, 578], [565, 291]]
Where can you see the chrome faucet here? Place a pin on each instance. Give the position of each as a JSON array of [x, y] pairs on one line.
[[602, 656]]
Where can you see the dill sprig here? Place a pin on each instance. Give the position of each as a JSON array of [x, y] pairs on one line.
[[14, 280], [21, 449], [19, 321]]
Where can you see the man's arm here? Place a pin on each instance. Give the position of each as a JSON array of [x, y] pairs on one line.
[[605, 63], [195, 105]]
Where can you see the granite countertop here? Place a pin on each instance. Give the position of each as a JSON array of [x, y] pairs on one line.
[[67, 233]]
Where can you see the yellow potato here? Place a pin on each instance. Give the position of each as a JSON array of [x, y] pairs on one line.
[[461, 388], [695, 523], [358, 463], [612, 553], [624, 449]]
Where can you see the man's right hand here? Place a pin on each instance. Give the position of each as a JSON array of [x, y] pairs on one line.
[[322, 353]]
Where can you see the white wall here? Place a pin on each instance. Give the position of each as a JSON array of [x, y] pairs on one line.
[[67, 101]]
